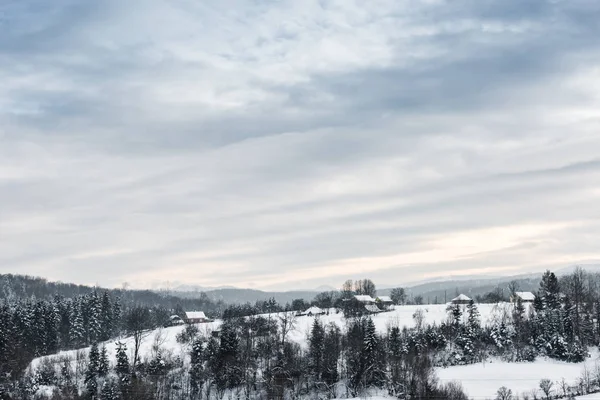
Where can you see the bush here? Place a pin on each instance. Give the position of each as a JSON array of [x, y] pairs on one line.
[[188, 334]]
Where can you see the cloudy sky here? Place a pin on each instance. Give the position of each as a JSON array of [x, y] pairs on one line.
[[291, 144]]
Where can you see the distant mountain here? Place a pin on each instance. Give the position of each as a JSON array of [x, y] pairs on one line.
[[325, 288], [591, 268]]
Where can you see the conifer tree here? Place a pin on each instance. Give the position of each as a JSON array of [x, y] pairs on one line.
[[123, 368], [91, 375], [103, 364], [197, 372], [106, 317], [77, 332], [110, 391], [316, 350]]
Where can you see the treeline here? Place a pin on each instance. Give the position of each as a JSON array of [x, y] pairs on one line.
[[39, 317], [15, 288]]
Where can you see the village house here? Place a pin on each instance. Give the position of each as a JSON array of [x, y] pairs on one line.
[[314, 310], [175, 320], [365, 299], [195, 317], [385, 302], [461, 299], [526, 297]]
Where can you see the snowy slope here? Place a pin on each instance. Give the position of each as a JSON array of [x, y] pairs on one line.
[[481, 381], [401, 316]]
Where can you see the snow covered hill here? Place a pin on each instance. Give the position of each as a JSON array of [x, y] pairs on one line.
[[479, 380]]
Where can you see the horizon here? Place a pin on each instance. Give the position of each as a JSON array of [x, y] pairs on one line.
[[282, 144]]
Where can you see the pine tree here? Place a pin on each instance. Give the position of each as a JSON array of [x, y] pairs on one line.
[[331, 355], [91, 374], [94, 309], [473, 321], [123, 368], [110, 391], [103, 364], [197, 372], [371, 353], [77, 333], [116, 316], [550, 291], [106, 317], [316, 350]]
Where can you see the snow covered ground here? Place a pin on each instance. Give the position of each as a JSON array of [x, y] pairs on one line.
[[481, 381]]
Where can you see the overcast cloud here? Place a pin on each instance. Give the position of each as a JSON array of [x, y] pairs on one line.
[[291, 144]]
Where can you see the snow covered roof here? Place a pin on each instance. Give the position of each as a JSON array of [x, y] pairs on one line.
[[372, 308], [461, 297], [174, 317], [364, 298], [195, 315], [526, 296], [385, 299], [314, 310]]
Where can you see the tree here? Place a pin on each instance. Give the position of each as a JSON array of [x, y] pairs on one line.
[[77, 332], [546, 386], [418, 300], [504, 393], [137, 323], [316, 351], [123, 369], [106, 317], [197, 372], [365, 287], [110, 391], [103, 363], [398, 295], [513, 288], [550, 291], [91, 383], [287, 323]]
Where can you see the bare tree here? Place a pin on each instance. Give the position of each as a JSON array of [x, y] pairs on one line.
[[287, 321], [504, 393], [138, 321], [546, 386], [513, 288]]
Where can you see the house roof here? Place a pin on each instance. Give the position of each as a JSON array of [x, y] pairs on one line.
[[385, 299], [372, 308], [314, 310], [527, 296], [364, 298], [461, 297], [195, 315], [174, 317]]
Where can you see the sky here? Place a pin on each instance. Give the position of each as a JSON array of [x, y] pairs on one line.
[[291, 144]]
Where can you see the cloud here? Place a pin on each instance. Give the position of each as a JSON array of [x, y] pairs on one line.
[[277, 144]]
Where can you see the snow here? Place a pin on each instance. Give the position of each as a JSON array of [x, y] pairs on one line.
[[483, 380], [314, 310], [195, 315], [526, 296], [461, 297], [385, 299], [167, 337], [593, 396], [364, 298]]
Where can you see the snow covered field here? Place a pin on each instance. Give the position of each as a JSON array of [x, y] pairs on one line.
[[481, 381]]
